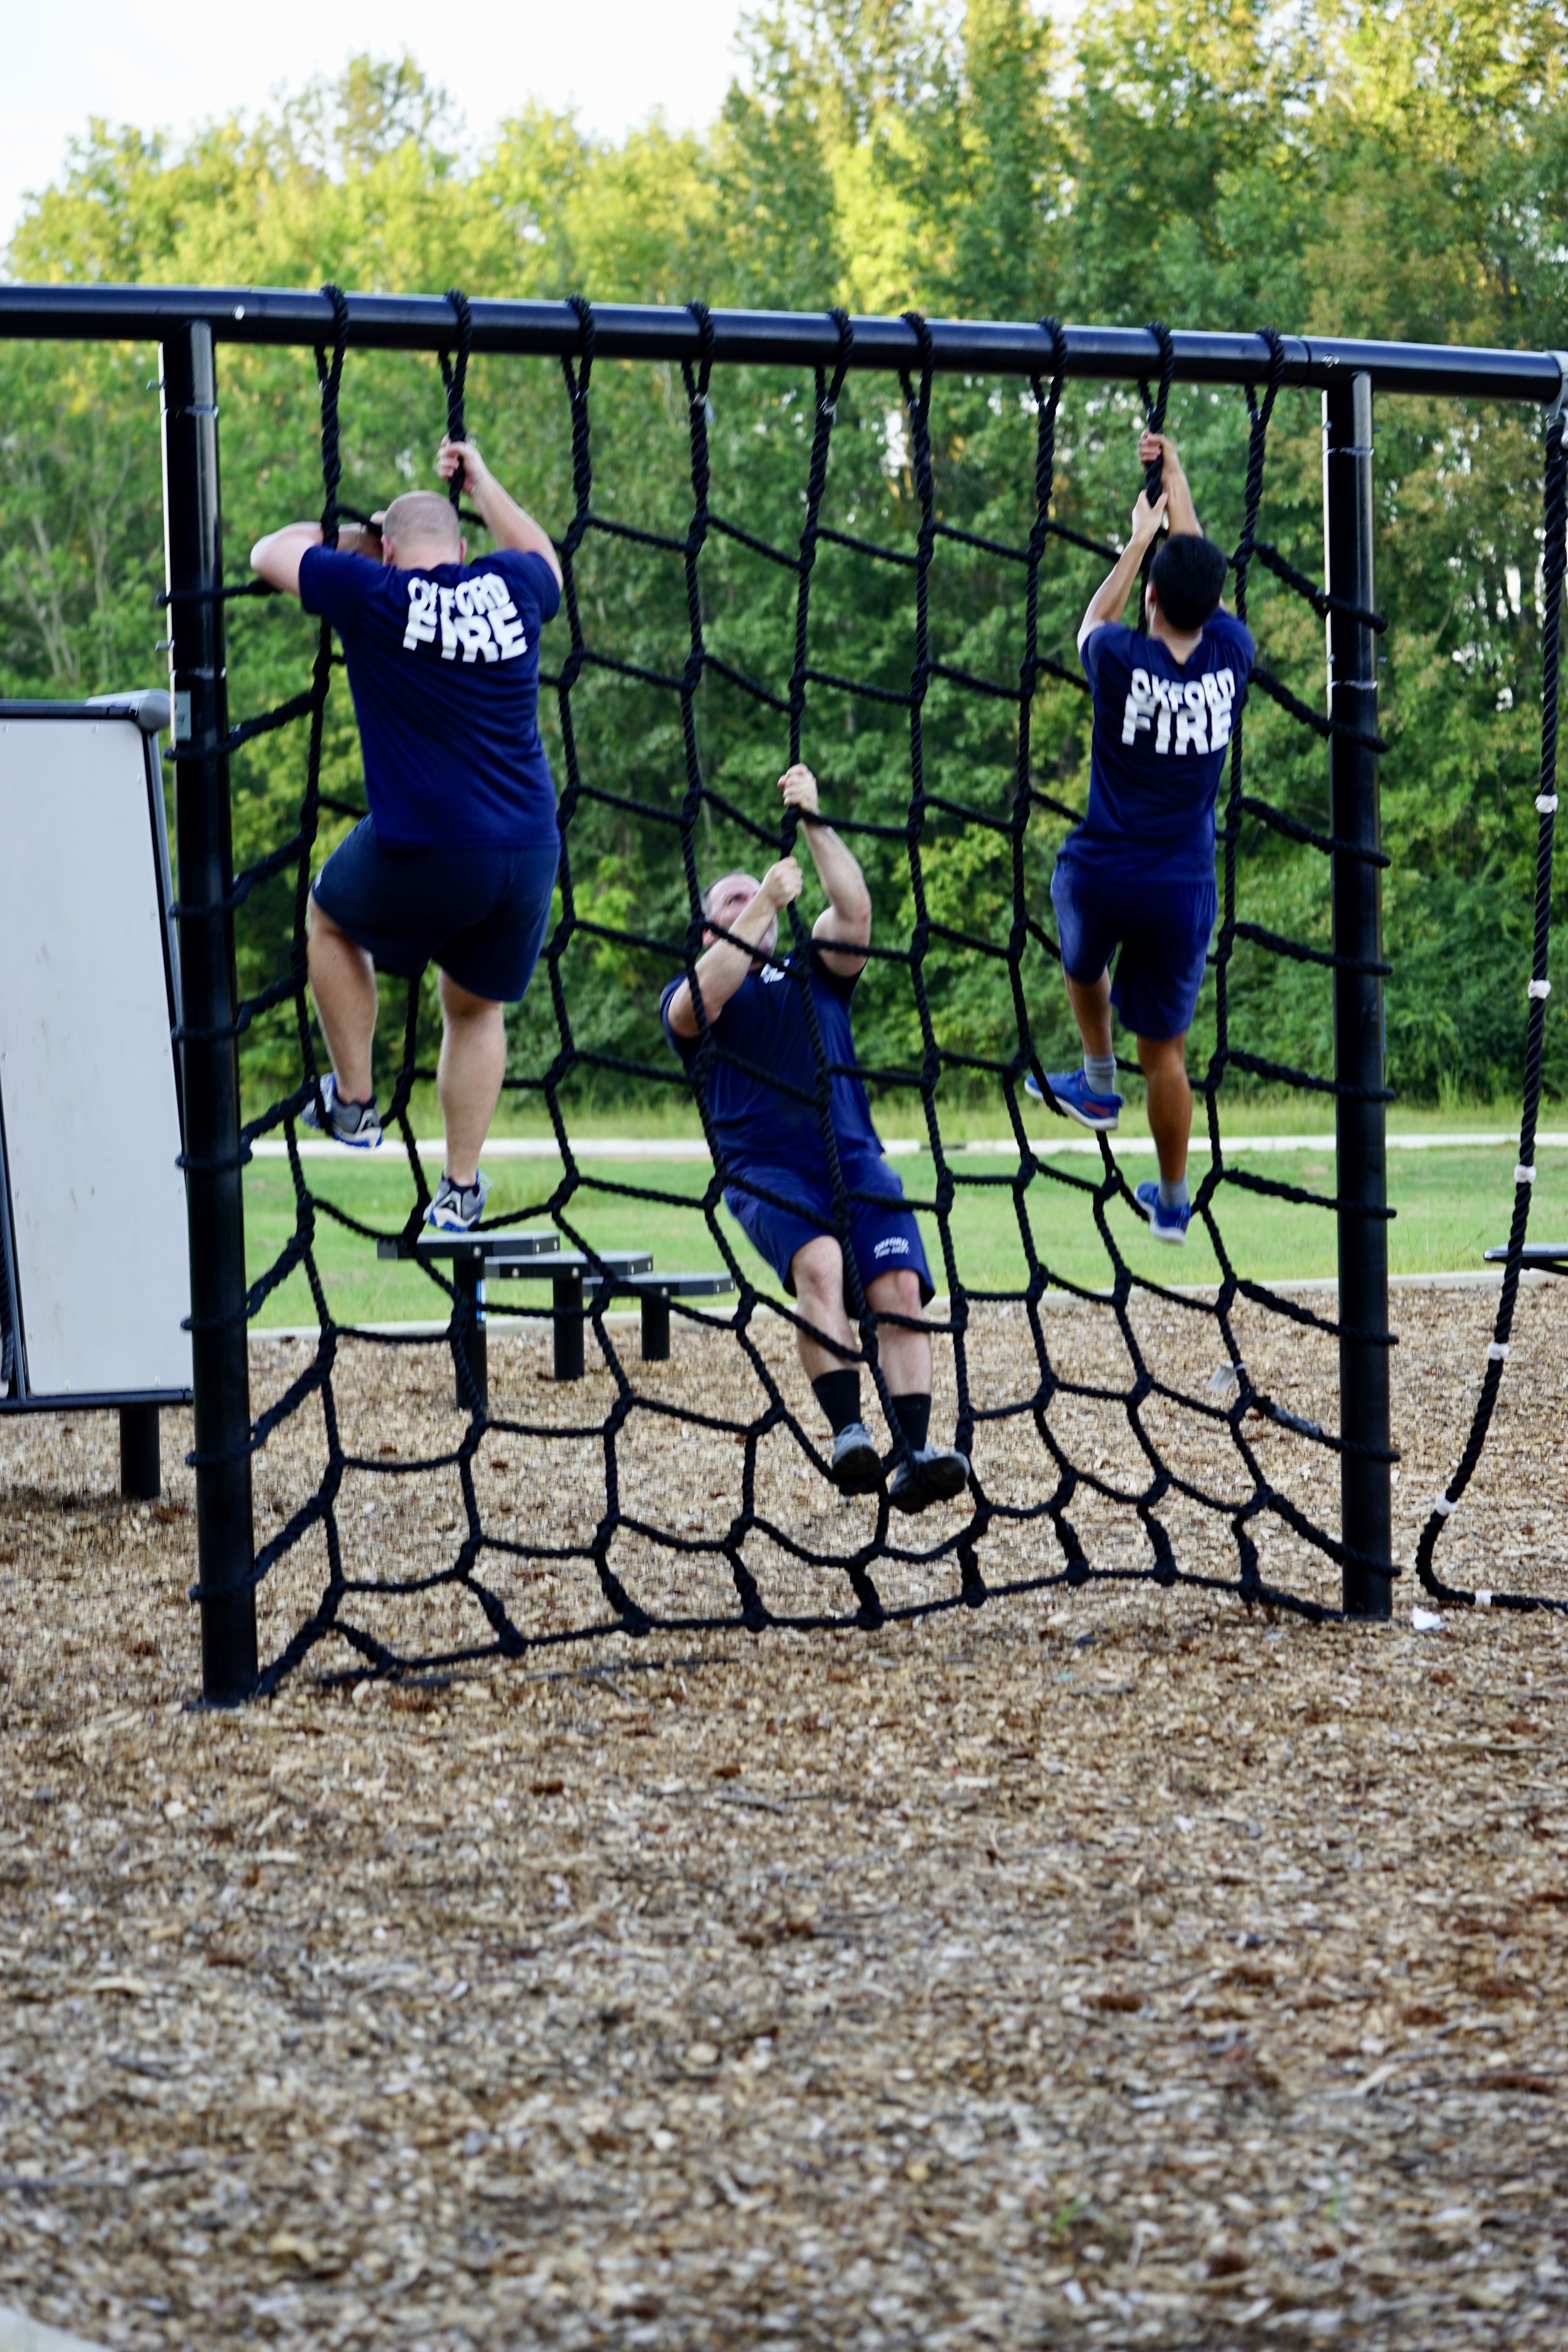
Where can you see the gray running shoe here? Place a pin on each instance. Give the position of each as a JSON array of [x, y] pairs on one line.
[[856, 1465], [357, 1124], [935, 1474], [458, 1208]]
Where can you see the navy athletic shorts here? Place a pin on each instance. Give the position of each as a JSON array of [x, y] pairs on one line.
[[883, 1233], [480, 914], [1162, 930]]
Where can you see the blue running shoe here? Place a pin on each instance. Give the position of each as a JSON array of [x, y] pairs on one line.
[[1069, 1094], [458, 1208], [355, 1123], [1165, 1224]]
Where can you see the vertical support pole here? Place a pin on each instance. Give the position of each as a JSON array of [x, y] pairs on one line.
[[1365, 1514], [654, 1326], [566, 1298], [468, 1275], [220, 1369], [141, 1470]]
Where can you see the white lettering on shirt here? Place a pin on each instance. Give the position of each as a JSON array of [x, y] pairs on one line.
[[477, 619], [1192, 719], [421, 629], [1140, 703], [1182, 714]]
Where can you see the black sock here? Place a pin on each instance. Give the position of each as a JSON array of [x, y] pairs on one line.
[[914, 1420], [838, 1394]]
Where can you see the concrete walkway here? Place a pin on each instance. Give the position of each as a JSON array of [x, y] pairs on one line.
[[634, 1146], [20, 2334]]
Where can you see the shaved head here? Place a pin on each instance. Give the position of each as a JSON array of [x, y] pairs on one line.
[[726, 899], [423, 529]]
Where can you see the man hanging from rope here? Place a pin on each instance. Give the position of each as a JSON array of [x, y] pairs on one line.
[[761, 1096], [456, 862], [1138, 875]]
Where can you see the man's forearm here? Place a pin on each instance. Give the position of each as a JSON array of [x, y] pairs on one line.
[[839, 871], [1109, 598], [720, 968], [508, 524], [1181, 513]]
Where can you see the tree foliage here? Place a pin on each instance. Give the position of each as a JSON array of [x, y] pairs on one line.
[[1326, 167]]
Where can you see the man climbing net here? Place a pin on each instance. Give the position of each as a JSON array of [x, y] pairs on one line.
[[1032, 1524]]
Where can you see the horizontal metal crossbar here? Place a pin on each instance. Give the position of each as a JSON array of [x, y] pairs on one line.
[[633, 331]]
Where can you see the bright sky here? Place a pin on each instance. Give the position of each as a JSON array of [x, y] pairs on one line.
[[172, 66]]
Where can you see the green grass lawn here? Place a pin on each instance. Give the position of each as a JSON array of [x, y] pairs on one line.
[[1452, 1203]]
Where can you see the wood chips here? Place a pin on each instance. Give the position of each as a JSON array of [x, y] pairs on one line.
[[1103, 1966]]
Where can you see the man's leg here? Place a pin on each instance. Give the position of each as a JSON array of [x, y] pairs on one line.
[[468, 1075], [1163, 1061], [1090, 1001], [342, 982], [1086, 936], [933, 1474], [905, 1355], [817, 1270]]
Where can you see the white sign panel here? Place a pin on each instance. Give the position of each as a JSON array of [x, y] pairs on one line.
[[86, 1074]]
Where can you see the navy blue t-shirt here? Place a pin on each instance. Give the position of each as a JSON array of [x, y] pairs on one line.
[[444, 669], [764, 1025], [1161, 728]]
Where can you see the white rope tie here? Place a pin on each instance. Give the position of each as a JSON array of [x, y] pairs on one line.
[[1498, 1352], [1525, 1172], [1443, 1507], [1540, 988], [1547, 803]]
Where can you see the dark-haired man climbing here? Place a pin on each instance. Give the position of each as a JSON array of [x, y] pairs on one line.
[[1136, 878]]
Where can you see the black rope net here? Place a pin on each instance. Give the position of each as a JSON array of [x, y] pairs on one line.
[[1190, 1498]]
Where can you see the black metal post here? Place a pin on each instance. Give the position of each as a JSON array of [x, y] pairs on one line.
[[1365, 1514], [566, 1298], [220, 1370], [468, 1275], [654, 1326], [141, 1470]]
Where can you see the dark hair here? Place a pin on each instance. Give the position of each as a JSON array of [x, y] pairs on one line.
[[1188, 576]]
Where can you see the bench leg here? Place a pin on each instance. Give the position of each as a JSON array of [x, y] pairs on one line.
[[566, 1293], [141, 1471], [474, 1344], [654, 1326]]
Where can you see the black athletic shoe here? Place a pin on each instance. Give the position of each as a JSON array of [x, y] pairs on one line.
[[357, 1124], [856, 1465], [935, 1474]]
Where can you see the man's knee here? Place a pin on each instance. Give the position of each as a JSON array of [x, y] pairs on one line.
[[816, 1271], [1158, 1057], [318, 924], [897, 1293], [460, 1003]]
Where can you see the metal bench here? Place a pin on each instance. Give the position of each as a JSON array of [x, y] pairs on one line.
[[654, 1291], [476, 1259], [1542, 1257], [473, 1259], [567, 1273]]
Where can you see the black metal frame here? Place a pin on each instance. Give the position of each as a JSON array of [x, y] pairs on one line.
[[190, 320]]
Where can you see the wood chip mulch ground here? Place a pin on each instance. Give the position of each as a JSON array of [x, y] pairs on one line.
[[1106, 1966]]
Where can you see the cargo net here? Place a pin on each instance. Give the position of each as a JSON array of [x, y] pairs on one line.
[[1023, 1530]]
